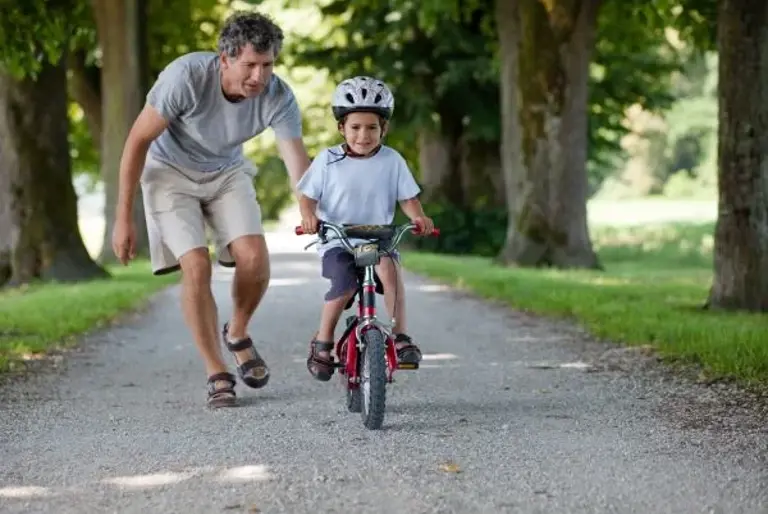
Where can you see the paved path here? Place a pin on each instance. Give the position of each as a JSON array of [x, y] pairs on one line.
[[483, 427]]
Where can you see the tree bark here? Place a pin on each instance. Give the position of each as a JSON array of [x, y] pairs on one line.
[[548, 216], [8, 232], [34, 129], [440, 170], [741, 231], [121, 29]]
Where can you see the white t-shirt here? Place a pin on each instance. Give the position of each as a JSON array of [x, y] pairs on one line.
[[361, 191]]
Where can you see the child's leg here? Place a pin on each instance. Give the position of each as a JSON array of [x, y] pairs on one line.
[[330, 315], [338, 267], [394, 292], [394, 297]]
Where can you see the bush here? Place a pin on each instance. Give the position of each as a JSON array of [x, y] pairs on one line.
[[480, 231], [273, 189]]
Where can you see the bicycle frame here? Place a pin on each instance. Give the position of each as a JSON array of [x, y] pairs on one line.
[[349, 345]]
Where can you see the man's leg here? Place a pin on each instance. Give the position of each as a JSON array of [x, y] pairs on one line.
[[235, 216], [250, 282], [199, 308], [177, 239]]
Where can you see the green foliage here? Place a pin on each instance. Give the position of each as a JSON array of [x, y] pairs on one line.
[[633, 64], [443, 79], [182, 26], [35, 31], [479, 231], [82, 151], [273, 188], [35, 320], [441, 60]]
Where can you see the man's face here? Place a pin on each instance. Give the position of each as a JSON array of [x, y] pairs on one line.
[[248, 74]]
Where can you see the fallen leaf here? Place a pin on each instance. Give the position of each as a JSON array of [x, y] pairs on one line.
[[253, 509], [449, 467]]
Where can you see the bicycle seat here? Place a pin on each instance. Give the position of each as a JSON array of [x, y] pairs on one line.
[[376, 232]]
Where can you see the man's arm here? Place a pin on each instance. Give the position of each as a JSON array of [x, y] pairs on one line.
[[147, 127], [294, 155]]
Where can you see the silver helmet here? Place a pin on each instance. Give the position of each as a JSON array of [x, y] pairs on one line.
[[362, 94]]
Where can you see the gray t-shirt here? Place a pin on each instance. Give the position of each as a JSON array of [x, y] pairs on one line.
[[207, 131], [359, 191]]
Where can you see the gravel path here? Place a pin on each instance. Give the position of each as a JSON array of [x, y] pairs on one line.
[[504, 417]]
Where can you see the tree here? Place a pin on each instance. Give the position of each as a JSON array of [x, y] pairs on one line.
[[41, 210], [555, 48], [124, 72], [35, 161], [741, 231]]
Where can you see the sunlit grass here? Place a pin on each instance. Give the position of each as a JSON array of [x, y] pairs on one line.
[[656, 280], [42, 317]]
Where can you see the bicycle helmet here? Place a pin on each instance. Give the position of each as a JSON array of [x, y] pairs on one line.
[[362, 94]]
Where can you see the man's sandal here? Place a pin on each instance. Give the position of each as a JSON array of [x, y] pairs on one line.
[[221, 396], [321, 368], [253, 372]]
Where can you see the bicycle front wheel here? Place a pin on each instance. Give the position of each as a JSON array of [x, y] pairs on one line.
[[373, 379]]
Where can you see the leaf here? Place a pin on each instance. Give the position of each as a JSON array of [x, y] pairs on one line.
[[449, 467]]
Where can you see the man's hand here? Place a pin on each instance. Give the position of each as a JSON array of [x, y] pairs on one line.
[[425, 225], [124, 240], [309, 224]]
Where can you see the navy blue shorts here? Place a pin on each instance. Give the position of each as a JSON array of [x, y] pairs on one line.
[[338, 266]]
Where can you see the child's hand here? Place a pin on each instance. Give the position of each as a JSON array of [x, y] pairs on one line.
[[309, 224], [425, 225]]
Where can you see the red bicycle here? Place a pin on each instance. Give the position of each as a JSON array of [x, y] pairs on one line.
[[366, 353]]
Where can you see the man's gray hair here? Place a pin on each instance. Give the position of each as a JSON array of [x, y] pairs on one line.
[[245, 27]]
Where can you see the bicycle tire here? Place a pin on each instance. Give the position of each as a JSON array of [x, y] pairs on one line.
[[374, 389]]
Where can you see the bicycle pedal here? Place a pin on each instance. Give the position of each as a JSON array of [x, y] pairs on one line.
[[407, 366]]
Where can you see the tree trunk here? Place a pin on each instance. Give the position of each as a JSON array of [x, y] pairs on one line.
[[7, 229], [480, 170], [548, 216], [440, 171], [34, 129], [741, 231], [120, 25]]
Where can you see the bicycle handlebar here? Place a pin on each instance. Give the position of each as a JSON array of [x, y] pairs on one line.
[[340, 231]]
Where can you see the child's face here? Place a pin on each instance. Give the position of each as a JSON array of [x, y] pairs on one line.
[[362, 131]]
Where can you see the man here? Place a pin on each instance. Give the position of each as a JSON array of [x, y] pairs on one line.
[[186, 148]]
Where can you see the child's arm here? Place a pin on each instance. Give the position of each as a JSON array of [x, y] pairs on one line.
[[308, 209], [415, 212]]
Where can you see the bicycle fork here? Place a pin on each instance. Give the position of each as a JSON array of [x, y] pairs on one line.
[[368, 320]]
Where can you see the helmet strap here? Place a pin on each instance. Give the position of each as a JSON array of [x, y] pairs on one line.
[[351, 153]]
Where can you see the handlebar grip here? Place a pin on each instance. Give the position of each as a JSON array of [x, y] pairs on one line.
[[436, 231], [299, 231]]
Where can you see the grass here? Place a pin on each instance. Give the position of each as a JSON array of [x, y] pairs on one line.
[[44, 317], [656, 280]]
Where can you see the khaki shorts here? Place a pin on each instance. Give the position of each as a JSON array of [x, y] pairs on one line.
[[179, 204]]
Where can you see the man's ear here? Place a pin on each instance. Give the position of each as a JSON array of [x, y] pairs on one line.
[[384, 128]]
